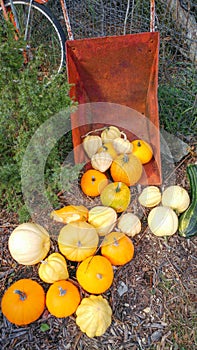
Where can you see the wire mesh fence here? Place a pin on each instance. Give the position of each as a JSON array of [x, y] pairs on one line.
[[176, 21]]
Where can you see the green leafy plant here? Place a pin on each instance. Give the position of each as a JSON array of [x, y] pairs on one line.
[[26, 102], [177, 101]]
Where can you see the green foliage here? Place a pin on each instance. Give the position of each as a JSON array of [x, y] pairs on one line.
[[44, 327], [177, 102], [26, 102]]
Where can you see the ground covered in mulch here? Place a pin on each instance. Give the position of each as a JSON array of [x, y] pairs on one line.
[[153, 297]]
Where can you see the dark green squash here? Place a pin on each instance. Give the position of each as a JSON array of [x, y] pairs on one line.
[[188, 220]]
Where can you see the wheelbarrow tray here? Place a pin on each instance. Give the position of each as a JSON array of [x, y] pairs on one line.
[[115, 81]]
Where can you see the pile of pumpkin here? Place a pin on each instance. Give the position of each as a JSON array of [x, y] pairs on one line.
[[111, 151], [78, 241], [96, 239]]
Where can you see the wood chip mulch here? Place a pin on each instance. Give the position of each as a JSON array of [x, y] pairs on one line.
[[153, 297]]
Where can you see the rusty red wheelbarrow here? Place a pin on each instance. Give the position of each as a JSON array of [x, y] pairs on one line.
[[114, 80]]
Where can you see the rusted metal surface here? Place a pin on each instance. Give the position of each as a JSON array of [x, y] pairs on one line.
[[66, 19], [121, 70], [152, 15]]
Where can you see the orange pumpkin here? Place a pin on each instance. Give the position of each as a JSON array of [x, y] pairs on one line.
[[62, 298], [126, 168], [23, 302], [142, 150], [95, 274], [93, 182], [117, 248]]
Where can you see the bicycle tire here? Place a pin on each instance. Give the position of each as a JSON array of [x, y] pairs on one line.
[[44, 31]]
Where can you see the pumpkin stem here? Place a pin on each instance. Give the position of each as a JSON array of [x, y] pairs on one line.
[[125, 158], [116, 242], [93, 131], [44, 262], [62, 291], [118, 188], [105, 148], [139, 144], [99, 276], [79, 244], [22, 295], [93, 179]]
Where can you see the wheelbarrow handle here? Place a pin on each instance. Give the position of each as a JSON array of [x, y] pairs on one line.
[[152, 15], [66, 19]]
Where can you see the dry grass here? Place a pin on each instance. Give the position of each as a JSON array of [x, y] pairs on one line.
[[153, 297]]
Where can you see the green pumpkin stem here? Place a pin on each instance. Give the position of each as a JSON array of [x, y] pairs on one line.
[[118, 188], [22, 295]]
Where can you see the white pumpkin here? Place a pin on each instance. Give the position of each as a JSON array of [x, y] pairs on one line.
[[130, 224], [122, 145], [176, 197], [150, 196], [162, 221], [101, 161], [110, 133], [29, 243], [91, 144]]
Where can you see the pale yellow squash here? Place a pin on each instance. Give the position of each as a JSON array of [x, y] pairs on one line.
[[94, 315], [53, 268], [78, 240], [103, 218]]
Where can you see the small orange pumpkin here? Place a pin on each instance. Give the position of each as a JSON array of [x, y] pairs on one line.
[[93, 182], [62, 298], [23, 302], [95, 274], [142, 150], [117, 248], [126, 168]]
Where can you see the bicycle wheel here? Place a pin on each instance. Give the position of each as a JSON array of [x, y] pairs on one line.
[[44, 33]]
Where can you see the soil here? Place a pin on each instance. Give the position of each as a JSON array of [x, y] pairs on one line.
[[153, 297]]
